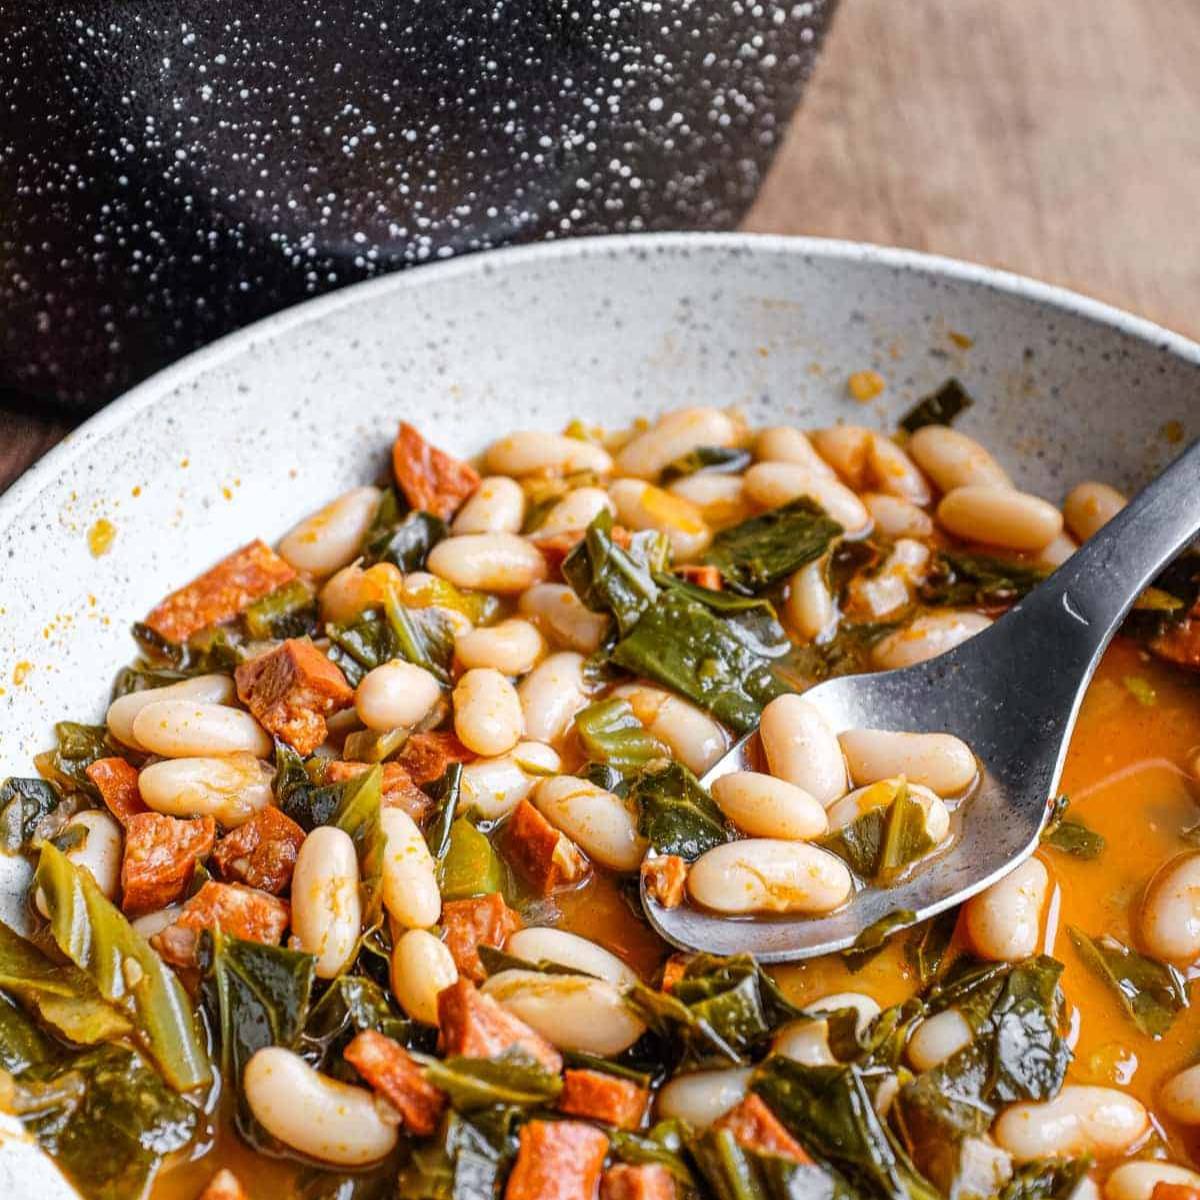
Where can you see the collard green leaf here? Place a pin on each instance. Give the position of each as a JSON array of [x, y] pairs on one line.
[[470, 866], [95, 936], [22, 1043], [78, 747], [848, 652], [140, 676], [676, 814], [219, 648], [423, 636], [23, 803], [447, 793], [358, 815], [887, 838], [1075, 838], [719, 658], [402, 538], [708, 460], [475, 1083], [1054, 1179], [938, 408], [765, 549], [662, 1144], [287, 612], [959, 580], [361, 645], [609, 579], [872, 940], [349, 1005], [467, 1160], [298, 795], [736, 1172], [926, 950], [376, 1182], [1151, 993], [610, 733]]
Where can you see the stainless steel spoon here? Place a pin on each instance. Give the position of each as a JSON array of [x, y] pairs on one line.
[[1011, 693]]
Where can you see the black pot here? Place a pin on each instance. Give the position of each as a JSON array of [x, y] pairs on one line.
[[173, 170]]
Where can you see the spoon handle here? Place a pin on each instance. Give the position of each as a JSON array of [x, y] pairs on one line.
[[1082, 604]]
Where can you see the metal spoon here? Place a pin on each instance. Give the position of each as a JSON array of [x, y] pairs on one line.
[[1011, 693]]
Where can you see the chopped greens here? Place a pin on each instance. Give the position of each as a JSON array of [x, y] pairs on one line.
[[938, 408], [78, 747], [470, 866], [886, 839], [610, 733], [406, 541], [926, 951], [708, 459], [609, 579], [358, 815], [287, 612], [420, 635], [872, 940], [1069, 835], [736, 1172], [307, 802], [447, 794], [959, 580], [23, 804], [474, 1083], [350, 1004], [676, 814]]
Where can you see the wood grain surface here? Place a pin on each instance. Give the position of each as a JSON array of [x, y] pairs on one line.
[[1057, 138]]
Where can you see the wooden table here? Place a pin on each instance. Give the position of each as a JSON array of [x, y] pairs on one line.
[[1058, 138]]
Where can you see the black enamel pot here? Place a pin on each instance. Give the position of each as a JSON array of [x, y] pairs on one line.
[[174, 170]]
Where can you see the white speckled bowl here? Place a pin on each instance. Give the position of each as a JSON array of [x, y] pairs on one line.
[[246, 436]]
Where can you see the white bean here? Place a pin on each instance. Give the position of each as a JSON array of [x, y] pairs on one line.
[[410, 889], [602, 824], [511, 647], [802, 749], [326, 909], [542, 944], [772, 484], [331, 537], [672, 436], [487, 712], [497, 505], [719, 497], [926, 637], [493, 787], [422, 966], [938, 761], [809, 602], [938, 1038], [396, 695], [806, 1041], [551, 694], [322, 1117], [1137, 1180], [641, 505], [230, 789], [1100, 1121], [532, 451], [1169, 920], [782, 443], [1057, 552], [866, 1009], [1090, 506], [1000, 517], [766, 875], [849, 808], [576, 510], [952, 459], [891, 470], [564, 617], [891, 587], [895, 517], [1004, 921], [573, 1012], [702, 1097], [100, 851], [846, 448], [494, 562], [187, 728], [762, 806], [206, 689], [689, 732], [348, 591], [1180, 1096]]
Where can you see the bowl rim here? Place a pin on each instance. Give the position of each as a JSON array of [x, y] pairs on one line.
[[23, 492]]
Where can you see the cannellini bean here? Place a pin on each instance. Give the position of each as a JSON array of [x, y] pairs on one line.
[[691, 734], [1004, 921], [718, 496], [533, 451], [1180, 1096], [551, 694], [782, 443], [767, 875], [155, 922], [348, 591], [809, 603], [331, 537], [1089, 506], [1137, 1180], [896, 517], [846, 448], [410, 889], [952, 459], [602, 824], [641, 505], [564, 617], [487, 712], [1100, 1121], [396, 695], [762, 806], [205, 689], [891, 587], [187, 728], [926, 637], [672, 436], [938, 1038], [576, 510], [771, 484], [891, 470], [494, 562], [229, 789], [542, 944], [326, 909], [1057, 552], [802, 749], [806, 1041], [1169, 920], [1000, 516], [878, 795], [322, 1117], [497, 505], [866, 1008], [421, 967], [493, 787], [574, 1012], [511, 647], [938, 761], [99, 854], [702, 1097]]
